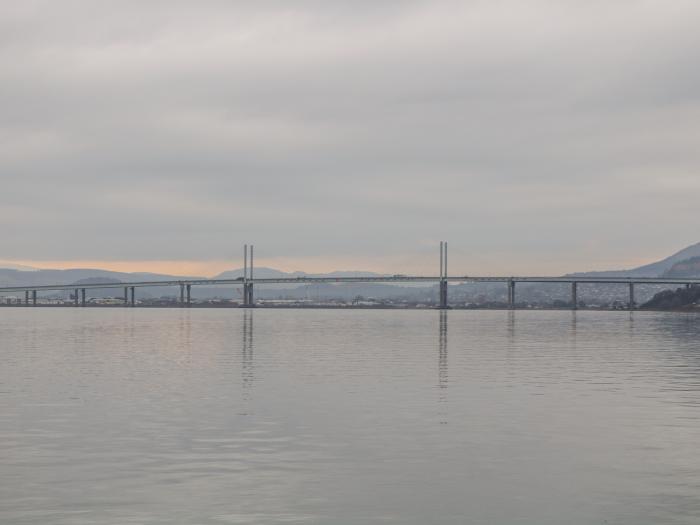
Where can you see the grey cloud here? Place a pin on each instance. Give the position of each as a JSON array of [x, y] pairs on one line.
[[155, 130]]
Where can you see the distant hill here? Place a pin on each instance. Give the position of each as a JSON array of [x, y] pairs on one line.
[[98, 280], [106, 292], [681, 298], [656, 269], [14, 277], [271, 273], [47, 277], [77, 277], [260, 272], [686, 268], [10, 266]]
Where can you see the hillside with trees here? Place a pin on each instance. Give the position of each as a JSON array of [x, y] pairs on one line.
[[679, 299]]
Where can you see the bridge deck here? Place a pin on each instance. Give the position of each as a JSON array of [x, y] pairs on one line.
[[338, 280]]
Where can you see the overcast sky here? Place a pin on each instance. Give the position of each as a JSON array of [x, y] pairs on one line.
[[535, 136]]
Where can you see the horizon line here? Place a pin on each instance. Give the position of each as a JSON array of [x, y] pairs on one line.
[[214, 268]]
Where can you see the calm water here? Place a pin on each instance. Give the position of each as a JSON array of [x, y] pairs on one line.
[[111, 416]]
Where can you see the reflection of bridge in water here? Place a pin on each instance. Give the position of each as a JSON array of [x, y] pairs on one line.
[[248, 362], [247, 368], [442, 365], [248, 282]]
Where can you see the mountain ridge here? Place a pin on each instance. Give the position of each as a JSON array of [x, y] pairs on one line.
[[38, 277], [655, 269]]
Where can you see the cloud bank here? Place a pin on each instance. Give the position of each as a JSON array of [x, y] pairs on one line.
[[536, 136]]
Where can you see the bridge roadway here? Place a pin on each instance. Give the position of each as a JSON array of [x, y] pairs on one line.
[[186, 284], [372, 279]]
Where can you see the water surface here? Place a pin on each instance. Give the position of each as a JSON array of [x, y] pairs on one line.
[[211, 416]]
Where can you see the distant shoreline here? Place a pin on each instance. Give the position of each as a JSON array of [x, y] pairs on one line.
[[347, 307]]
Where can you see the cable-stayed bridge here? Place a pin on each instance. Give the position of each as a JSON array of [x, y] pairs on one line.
[[248, 282]]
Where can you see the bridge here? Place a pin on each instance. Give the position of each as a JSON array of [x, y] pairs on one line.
[[248, 282]]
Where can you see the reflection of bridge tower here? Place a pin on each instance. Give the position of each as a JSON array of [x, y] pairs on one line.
[[185, 332], [442, 366], [511, 326], [247, 372]]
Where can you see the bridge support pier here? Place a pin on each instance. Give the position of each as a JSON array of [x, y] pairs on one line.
[[33, 297], [82, 298], [443, 275], [248, 297], [574, 296], [443, 295], [126, 296], [133, 296], [75, 297], [182, 295], [189, 295], [26, 298], [511, 294], [631, 303]]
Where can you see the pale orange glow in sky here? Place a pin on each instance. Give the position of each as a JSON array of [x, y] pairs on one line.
[[190, 268], [473, 264]]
